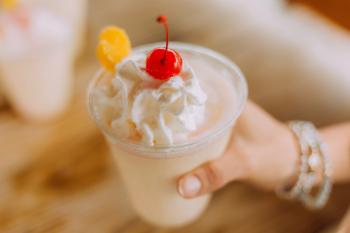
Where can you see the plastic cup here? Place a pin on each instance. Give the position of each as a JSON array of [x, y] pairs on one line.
[[75, 12], [38, 82], [150, 173]]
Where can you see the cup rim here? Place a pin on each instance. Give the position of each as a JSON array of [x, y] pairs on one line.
[[165, 149]]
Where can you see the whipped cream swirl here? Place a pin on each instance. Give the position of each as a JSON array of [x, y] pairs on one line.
[[155, 112]]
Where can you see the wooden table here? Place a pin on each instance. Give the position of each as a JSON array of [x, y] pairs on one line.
[[60, 177]]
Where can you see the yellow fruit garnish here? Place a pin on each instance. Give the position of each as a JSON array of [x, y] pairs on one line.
[[114, 45], [8, 4]]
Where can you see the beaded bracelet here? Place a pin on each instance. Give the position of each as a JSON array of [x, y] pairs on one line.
[[314, 163]]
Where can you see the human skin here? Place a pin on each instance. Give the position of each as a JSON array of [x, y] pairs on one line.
[[265, 153], [345, 225]]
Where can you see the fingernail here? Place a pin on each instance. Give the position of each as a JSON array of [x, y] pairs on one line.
[[189, 186]]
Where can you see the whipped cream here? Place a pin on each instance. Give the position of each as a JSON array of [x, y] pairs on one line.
[[33, 29], [154, 112]]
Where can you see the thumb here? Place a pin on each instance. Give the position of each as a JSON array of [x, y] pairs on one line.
[[210, 176]]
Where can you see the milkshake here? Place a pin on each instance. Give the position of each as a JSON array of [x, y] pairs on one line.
[[163, 118], [75, 12], [35, 61]]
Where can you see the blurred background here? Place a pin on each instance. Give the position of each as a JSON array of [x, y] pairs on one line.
[[56, 173]]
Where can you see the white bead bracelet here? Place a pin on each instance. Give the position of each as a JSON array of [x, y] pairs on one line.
[[314, 168]]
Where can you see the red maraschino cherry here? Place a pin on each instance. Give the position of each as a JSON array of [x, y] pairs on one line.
[[163, 63]]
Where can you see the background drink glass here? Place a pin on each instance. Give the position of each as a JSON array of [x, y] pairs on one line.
[[75, 12], [38, 82], [150, 173]]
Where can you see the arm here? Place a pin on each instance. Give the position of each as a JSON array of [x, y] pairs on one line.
[[264, 152], [345, 224], [337, 138]]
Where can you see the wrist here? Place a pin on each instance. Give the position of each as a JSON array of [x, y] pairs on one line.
[[276, 161], [291, 152], [314, 168], [337, 138]]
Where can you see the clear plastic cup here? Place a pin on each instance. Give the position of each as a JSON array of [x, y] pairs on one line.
[[38, 82], [150, 173], [75, 12]]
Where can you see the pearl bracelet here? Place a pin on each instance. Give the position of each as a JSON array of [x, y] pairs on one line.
[[314, 166]]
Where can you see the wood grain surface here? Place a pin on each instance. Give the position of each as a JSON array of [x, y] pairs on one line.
[[60, 177]]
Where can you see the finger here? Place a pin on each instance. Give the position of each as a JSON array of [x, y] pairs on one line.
[[210, 176]]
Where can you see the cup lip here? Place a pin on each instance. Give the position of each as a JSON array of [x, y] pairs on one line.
[[165, 149]]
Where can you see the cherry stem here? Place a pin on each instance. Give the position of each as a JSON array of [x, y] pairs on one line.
[[163, 20]]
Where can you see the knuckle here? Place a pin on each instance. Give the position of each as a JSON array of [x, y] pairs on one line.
[[214, 175]]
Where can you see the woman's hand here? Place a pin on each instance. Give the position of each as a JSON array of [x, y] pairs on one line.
[[262, 151]]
